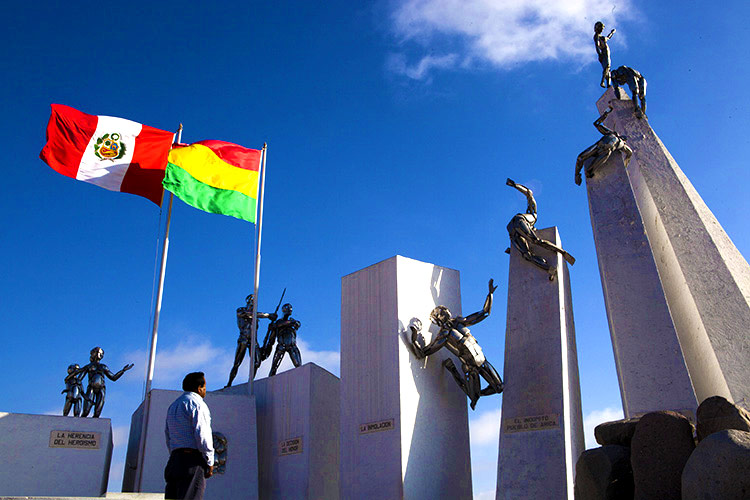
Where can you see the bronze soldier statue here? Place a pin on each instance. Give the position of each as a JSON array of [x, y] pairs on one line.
[[244, 323], [284, 332]]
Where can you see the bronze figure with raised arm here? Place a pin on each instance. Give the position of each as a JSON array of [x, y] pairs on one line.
[[455, 336], [602, 51], [600, 152], [523, 234], [244, 323], [96, 390]]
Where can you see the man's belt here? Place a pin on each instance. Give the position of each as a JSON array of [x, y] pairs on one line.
[[186, 451]]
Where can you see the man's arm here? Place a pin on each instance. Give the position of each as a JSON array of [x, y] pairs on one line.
[[204, 440], [473, 319]]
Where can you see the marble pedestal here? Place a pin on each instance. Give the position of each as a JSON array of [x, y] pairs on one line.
[[231, 415], [298, 433], [45, 455], [541, 433], [404, 422], [677, 290]]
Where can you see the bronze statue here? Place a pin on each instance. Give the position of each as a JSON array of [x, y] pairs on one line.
[[635, 82], [284, 332], [96, 390], [244, 323], [454, 334], [602, 150], [602, 51], [73, 391], [220, 453], [523, 233]]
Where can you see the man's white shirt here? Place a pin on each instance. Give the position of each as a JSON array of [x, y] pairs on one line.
[[189, 425]]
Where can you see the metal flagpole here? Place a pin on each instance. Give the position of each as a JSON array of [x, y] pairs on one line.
[[154, 334], [256, 279]]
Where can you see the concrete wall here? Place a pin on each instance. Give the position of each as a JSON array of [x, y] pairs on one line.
[[33, 467]]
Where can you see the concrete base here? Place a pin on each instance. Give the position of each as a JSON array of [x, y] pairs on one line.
[[231, 415], [298, 433], [541, 433], [40, 457], [404, 422]]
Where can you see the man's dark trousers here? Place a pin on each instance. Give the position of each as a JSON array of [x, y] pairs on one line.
[[184, 475]]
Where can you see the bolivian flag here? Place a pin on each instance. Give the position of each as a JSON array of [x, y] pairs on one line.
[[215, 176]]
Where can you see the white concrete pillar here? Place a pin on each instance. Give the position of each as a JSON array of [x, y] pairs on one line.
[[702, 275], [541, 432], [298, 434], [404, 422]]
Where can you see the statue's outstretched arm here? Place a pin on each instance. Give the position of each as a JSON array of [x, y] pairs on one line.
[[115, 376], [608, 37], [528, 193], [600, 127], [473, 319], [431, 348]]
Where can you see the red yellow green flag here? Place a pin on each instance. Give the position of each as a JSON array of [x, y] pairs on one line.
[[215, 176]]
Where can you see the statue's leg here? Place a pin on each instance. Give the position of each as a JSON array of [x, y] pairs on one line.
[[295, 356], [87, 402], [278, 355], [489, 373], [239, 355], [77, 407], [460, 379], [99, 402], [68, 403], [597, 162], [473, 385]]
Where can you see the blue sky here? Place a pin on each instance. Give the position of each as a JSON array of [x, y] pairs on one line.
[[391, 126]]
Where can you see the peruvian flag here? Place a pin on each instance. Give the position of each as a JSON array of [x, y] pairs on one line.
[[114, 153]]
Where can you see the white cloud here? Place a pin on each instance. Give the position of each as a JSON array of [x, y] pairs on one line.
[[484, 429], [596, 417], [485, 495], [502, 33]]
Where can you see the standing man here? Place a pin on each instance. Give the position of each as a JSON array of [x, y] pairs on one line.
[[189, 440]]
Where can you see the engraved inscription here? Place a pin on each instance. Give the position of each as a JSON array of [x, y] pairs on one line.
[[82, 440], [383, 425], [290, 446], [534, 423]]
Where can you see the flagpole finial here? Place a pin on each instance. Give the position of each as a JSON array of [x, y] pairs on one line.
[[180, 127], [265, 145]]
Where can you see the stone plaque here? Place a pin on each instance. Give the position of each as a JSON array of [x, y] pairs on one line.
[[75, 439], [290, 446], [535, 423], [383, 425]]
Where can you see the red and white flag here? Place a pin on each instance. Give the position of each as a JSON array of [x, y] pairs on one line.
[[114, 153]]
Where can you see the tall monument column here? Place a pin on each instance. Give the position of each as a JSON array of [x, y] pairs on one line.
[[541, 433], [696, 276], [404, 421]]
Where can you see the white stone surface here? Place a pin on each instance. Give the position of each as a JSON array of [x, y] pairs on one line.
[[650, 366], [231, 415], [425, 453], [299, 403], [705, 279], [536, 459], [32, 467]]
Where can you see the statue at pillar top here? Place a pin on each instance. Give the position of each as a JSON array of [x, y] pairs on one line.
[[73, 391], [244, 323], [602, 51], [523, 234], [637, 85], [600, 152], [96, 390], [283, 332], [454, 335]]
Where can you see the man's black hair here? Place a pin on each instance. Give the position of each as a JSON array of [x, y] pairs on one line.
[[193, 381]]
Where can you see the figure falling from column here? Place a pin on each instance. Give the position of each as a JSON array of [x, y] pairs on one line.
[[523, 233], [600, 152]]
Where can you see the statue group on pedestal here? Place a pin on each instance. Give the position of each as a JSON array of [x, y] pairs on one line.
[[281, 331], [96, 390]]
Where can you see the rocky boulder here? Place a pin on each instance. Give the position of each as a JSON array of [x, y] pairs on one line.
[[604, 473], [719, 468], [618, 432], [661, 445], [717, 414]]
